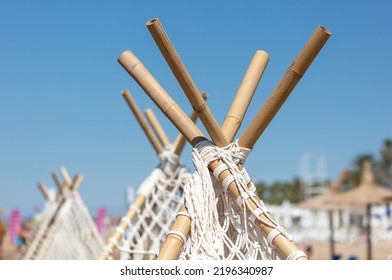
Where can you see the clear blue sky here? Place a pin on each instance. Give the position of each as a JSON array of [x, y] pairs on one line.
[[60, 87]]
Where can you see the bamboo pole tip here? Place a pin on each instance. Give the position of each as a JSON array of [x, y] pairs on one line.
[[128, 60], [124, 92], [323, 29], [152, 21], [261, 53], [124, 54]]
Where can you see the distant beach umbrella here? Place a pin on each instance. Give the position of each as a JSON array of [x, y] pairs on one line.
[[366, 194], [326, 202]]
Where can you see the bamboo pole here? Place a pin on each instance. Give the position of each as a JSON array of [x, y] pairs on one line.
[[286, 85], [167, 105], [173, 244], [66, 176], [139, 117], [168, 51], [245, 92], [156, 127], [182, 223], [130, 215], [76, 182], [60, 188], [141, 199], [44, 190], [187, 84], [193, 134], [180, 141]]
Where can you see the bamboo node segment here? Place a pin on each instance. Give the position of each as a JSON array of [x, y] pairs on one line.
[[294, 74], [131, 65]]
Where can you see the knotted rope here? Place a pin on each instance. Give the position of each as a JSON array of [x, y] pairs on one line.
[[220, 226], [164, 198]]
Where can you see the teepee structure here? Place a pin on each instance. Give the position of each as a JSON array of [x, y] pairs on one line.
[[67, 231], [159, 198], [222, 217]]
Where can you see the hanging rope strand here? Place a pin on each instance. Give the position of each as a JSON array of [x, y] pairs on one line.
[[229, 233]]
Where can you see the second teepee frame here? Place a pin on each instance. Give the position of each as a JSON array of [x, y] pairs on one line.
[[68, 230], [143, 214]]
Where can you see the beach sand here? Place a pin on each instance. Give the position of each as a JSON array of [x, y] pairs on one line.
[[381, 250]]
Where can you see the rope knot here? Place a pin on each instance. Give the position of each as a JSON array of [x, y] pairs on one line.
[[169, 161], [168, 155]]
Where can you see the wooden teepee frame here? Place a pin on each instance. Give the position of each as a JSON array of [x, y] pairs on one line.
[[221, 137], [160, 142], [67, 213]]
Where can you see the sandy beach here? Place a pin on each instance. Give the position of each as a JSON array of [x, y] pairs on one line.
[[381, 250]]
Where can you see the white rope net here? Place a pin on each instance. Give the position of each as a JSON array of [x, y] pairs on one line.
[[36, 234], [69, 235], [164, 198], [220, 226]]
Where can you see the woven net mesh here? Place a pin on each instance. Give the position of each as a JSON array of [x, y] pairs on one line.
[[221, 228], [36, 233], [164, 197], [69, 234]]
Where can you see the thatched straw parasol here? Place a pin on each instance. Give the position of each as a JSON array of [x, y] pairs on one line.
[[326, 201], [367, 192], [364, 196]]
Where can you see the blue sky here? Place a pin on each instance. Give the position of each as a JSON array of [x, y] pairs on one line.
[[60, 87]]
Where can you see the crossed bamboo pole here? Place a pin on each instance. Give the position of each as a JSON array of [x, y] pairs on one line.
[[68, 184], [232, 120], [179, 142], [45, 191], [157, 142], [174, 243], [156, 126]]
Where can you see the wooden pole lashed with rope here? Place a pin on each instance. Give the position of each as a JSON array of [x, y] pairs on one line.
[[194, 135], [141, 198]]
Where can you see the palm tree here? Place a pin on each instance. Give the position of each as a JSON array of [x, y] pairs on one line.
[[385, 167]]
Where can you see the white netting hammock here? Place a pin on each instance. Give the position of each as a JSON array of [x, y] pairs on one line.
[[220, 227], [164, 198], [69, 234]]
